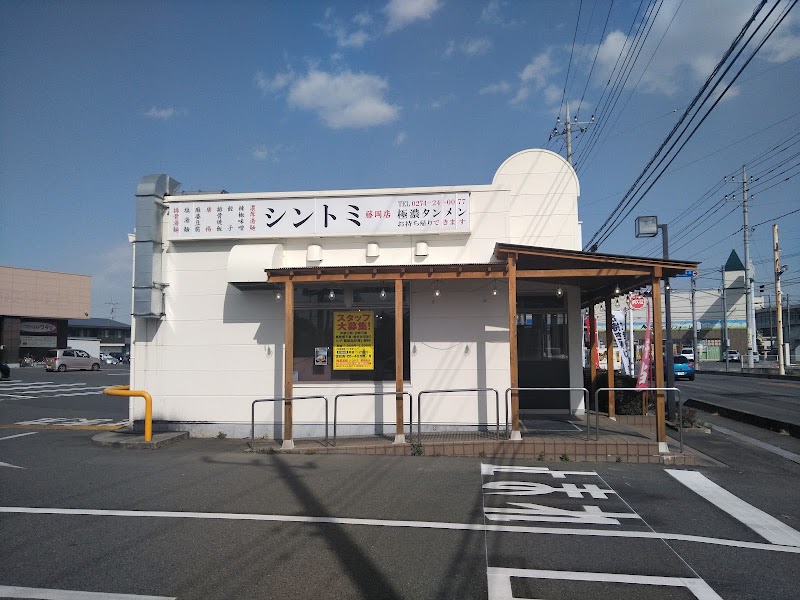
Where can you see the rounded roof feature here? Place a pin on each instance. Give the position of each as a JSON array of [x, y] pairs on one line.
[[536, 160]]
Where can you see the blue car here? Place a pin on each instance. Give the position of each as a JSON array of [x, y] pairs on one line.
[[683, 367]]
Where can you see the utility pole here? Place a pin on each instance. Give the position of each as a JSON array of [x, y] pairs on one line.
[[670, 354], [724, 320], [694, 324], [113, 306], [750, 319], [567, 131], [778, 272]]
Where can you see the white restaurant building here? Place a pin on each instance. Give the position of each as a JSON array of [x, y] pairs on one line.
[[246, 296]]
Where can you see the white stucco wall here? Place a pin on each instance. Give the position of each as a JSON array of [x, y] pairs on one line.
[[219, 348]]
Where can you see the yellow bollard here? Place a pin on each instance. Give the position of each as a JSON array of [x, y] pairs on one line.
[[124, 390]]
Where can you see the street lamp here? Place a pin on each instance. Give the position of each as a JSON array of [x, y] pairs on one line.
[[648, 227]]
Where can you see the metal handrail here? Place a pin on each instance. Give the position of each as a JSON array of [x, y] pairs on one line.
[[371, 395], [453, 391], [125, 390], [562, 389], [253, 413], [648, 389]]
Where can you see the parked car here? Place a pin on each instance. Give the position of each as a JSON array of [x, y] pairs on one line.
[[109, 360], [121, 357], [71, 358], [731, 355], [5, 371], [688, 353], [756, 356], [683, 367]]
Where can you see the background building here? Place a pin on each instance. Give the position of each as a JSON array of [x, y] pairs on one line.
[[114, 336], [715, 309], [34, 309]]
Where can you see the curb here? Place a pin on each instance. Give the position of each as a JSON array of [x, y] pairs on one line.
[[767, 375], [116, 439], [745, 417]]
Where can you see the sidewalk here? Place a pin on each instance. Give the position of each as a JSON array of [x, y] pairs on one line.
[[629, 439]]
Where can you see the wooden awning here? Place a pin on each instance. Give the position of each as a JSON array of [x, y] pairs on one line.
[[597, 275]]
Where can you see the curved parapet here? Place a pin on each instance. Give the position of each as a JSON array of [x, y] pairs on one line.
[[543, 199]]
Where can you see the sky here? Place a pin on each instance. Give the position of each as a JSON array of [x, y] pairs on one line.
[[251, 96]]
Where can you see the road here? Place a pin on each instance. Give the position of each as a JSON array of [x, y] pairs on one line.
[[204, 519], [771, 398]]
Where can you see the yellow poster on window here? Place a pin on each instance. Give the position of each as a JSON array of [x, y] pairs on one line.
[[353, 340]]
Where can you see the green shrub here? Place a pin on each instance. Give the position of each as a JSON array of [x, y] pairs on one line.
[[625, 402]]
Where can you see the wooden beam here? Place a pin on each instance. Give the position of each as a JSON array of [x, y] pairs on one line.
[[610, 361], [399, 434], [288, 362], [386, 276], [567, 273], [512, 342], [658, 358]]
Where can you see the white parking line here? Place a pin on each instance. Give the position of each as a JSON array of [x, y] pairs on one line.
[[13, 591], [163, 514], [41, 384], [8, 437], [500, 581], [763, 524]]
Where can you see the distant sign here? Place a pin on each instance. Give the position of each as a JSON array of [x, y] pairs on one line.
[[38, 341], [636, 301], [687, 273], [36, 327]]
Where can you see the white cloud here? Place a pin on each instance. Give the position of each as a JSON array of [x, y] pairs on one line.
[[343, 37], [539, 70], [442, 101], [363, 19], [492, 14], [522, 94], [344, 100], [400, 138], [552, 93], [261, 152], [691, 48], [164, 113], [501, 87], [404, 12], [784, 45], [469, 47], [276, 83]]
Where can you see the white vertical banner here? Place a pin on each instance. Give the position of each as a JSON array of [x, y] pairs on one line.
[[617, 320]]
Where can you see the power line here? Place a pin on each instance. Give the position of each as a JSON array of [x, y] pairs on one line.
[[628, 203]]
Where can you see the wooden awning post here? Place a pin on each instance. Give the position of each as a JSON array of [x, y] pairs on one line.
[[610, 360], [399, 434], [511, 263], [288, 364], [592, 354], [658, 358]]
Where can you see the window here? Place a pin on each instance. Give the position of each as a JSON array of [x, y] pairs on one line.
[[317, 308], [542, 332]]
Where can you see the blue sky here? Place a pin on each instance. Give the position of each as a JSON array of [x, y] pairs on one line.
[[271, 96]]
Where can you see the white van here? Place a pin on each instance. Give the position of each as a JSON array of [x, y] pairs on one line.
[[688, 353], [70, 358]]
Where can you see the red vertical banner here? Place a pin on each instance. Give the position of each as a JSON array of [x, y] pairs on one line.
[[644, 370]]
